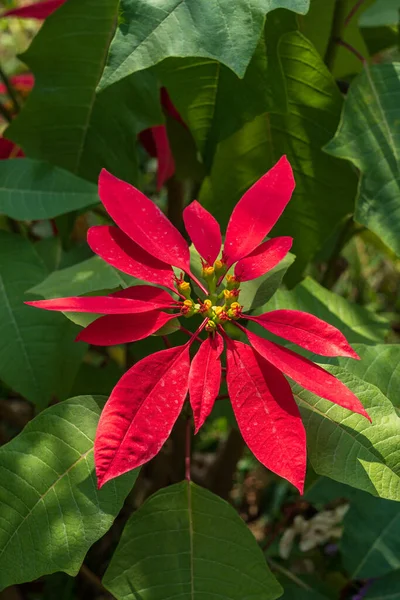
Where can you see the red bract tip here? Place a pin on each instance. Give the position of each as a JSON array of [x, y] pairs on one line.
[[143, 221], [38, 10], [267, 414], [204, 231], [258, 210], [264, 258]]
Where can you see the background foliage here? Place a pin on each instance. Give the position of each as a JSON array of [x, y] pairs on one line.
[[317, 80]]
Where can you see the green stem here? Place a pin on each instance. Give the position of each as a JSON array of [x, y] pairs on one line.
[[339, 16], [10, 90], [277, 567]]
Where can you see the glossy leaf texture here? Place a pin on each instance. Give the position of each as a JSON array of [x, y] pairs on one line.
[[311, 121], [123, 329], [204, 549], [205, 378], [141, 412], [258, 210], [345, 446], [74, 134], [51, 509], [38, 356], [204, 231], [38, 10], [210, 30], [32, 190], [153, 232], [263, 259], [307, 374], [368, 137], [307, 331], [376, 552], [266, 413]]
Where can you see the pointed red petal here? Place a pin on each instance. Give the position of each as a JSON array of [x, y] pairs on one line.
[[264, 258], [258, 210], [140, 413], [307, 331], [131, 300], [119, 251], [123, 329], [310, 376], [204, 231], [166, 163], [143, 221], [205, 379], [267, 414], [38, 10]]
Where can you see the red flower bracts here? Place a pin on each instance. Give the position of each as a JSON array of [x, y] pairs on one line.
[[145, 403]]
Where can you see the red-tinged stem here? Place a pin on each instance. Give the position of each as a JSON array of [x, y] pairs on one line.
[[201, 286], [187, 454], [54, 227], [351, 49], [222, 397], [166, 341], [190, 334], [353, 11]]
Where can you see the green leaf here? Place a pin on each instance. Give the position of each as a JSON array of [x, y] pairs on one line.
[[370, 545], [345, 446], [186, 542], [356, 322], [33, 190], [38, 356], [64, 121], [83, 278], [194, 28], [387, 588], [52, 511], [325, 188], [369, 137], [379, 365], [380, 14]]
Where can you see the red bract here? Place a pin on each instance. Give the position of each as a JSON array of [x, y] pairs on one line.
[[145, 404], [37, 10]]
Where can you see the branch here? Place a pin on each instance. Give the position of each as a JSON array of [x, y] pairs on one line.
[[353, 11], [338, 19]]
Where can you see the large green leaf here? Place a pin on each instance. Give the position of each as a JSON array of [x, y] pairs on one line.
[[38, 356], [356, 322], [381, 13], [31, 189], [369, 137], [371, 541], [387, 588], [346, 447], [325, 188], [149, 32], [64, 121], [379, 365], [83, 278], [51, 509], [186, 542]]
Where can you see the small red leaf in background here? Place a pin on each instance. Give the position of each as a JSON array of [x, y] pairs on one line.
[[143, 221], [119, 251], [258, 210], [267, 414], [140, 413], [205, 378], [38, 10], [310, 376], [204, 231], [120, 303], [307, 331], [9, 150], [156, 143], [264, 258], [123, 329]]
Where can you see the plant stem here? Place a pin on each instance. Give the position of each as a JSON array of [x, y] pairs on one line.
[[353, 11], [10, 90], [339, 15], [350, 48], [190, 334], [187, 453], [277, 567]]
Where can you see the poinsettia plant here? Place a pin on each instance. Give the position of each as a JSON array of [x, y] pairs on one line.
[[202, 200]]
